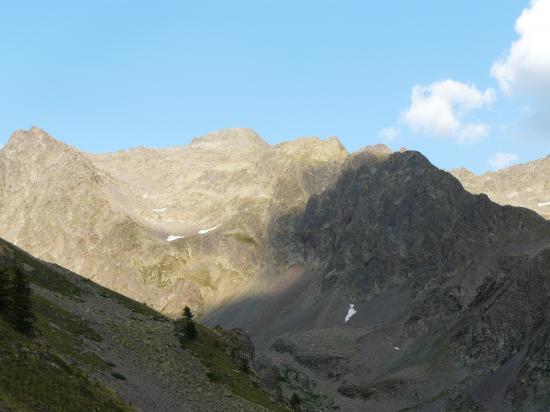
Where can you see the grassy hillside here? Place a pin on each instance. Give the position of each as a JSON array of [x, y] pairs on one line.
[[93, 349], [40, 370], [34, 376]]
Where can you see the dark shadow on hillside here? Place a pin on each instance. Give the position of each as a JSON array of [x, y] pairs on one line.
[[386, 223]]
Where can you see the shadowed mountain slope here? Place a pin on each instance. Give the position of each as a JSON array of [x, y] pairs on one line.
[[450, 293]]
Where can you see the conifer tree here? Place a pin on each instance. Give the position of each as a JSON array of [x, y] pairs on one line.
[[187, 314], [295, 402], [6, 278], [190, 328], [21, 314]]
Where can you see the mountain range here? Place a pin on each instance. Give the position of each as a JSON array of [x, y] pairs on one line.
[[367, 281]]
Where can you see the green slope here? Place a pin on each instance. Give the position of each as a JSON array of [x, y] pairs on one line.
[[53, 369]]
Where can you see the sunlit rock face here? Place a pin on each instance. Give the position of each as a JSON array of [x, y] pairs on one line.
[[526, 185], [183, 225]]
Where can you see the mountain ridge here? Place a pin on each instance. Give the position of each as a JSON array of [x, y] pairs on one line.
[[117, 203], [285, 240], [524, 185]]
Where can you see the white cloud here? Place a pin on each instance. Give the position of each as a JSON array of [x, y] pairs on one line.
[[500, 160], [526, 65], [472, 132], [440, 108], [525, 69], [388, 134]]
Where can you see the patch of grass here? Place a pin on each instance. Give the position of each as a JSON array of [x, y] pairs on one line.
[[200, 276], [211, 348], [64, 332], [34, 378], [131, 304], [64, 320], [159, 271], [244, 238], [213, 376], [45, 276], [154, 273]]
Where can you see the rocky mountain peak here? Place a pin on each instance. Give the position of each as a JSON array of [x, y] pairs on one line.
[[314, 148], [34, 137], [230, 138], [35, 143], [396, 207], [462, 172], [378, 148]]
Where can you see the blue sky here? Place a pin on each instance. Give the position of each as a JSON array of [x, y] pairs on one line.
[[105, 75]]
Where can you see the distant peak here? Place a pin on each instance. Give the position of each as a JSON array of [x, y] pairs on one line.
[[36, 140], [378, 153], [314, 147], [34, 135], [462, 172], [335, 141], [230, 137], [378, 148]]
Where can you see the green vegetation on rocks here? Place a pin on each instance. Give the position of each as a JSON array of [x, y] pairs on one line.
[[244, 238], [214, 348]]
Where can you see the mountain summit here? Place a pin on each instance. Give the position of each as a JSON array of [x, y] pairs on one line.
[[230, 138]]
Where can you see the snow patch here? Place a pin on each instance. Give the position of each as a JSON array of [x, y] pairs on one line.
[[351, 312], [203, 231], [544, 204], [159, 210], [171, 238]]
